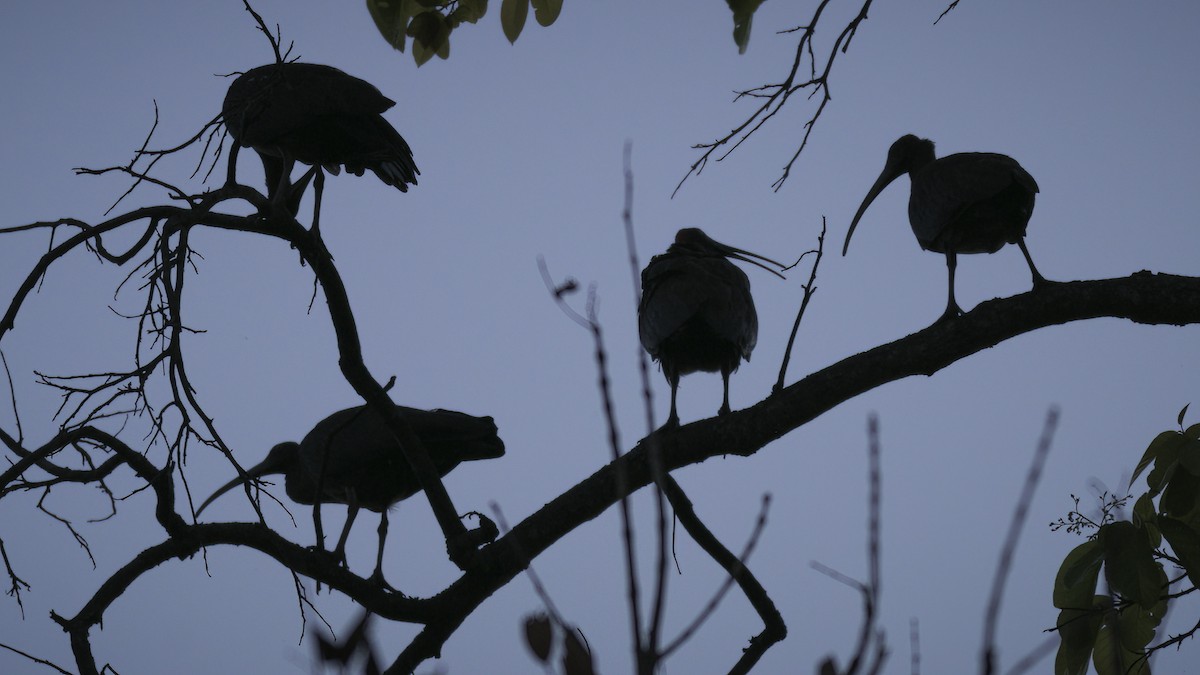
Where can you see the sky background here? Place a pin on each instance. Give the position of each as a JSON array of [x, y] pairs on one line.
[[520, 151]]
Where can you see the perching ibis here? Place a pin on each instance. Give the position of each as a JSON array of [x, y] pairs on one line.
[[696, 312], [970, 202], [363, 467], [320, 116]]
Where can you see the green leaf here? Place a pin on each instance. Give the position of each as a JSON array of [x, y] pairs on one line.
[[546, 11], [1165, 442], [1167, 447], [512, 17], [391, 19], [1185, 543], [1145, 518], [469, 11], [1111, 655], [743, 16], [1189, 455], [1077, 629], [1075, 584], [1129, 562], [1193, 432], [430, 32], [1182, 495], [1181, 414]]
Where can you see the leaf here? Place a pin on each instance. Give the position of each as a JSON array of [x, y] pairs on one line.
[[1185, 543], [1075, 584], [577, 660], [1146, 519], [1182, 495], [743, 16], [1181, 414], [431, 34], [1110, 655], [1154, 455], [546, 11], [538, 635], [1193, 432], [469, 11], [391, 20], [1169, 445], [1129, 562], [512, 18], [1189, 455], [1077, 629]]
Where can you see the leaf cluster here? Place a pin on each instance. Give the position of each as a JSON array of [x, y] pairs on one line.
[[430, 22], [1114, 631]]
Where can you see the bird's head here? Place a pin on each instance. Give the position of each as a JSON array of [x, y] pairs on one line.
[[280, 460], [693, 241], [906, 155]]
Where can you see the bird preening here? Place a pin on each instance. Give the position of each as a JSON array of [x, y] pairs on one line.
[[316, 115], [696, 312], [970, 202], [352, 458]]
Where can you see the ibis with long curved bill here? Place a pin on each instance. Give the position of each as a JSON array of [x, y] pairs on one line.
[[970, 202], [316, 115], [352, 458], [696, 312]]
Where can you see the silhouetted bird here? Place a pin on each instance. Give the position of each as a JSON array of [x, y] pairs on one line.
[[696, 313], [318, 115], [353, 456], [971, 202]]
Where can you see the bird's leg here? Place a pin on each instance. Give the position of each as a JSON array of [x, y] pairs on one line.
[[377, 575], [952, 308], [725, 402], [278, 174], [320, 530], [318, 189], [297, 191], [673, 418], [1038, 279], [339, 553], [231, 175]]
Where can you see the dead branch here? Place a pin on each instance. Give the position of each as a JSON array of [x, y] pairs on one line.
[[775, 96]]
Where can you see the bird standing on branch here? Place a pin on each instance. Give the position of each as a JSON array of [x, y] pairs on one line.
[[352, 458], [970, 202], [316, 115], [696, 312]]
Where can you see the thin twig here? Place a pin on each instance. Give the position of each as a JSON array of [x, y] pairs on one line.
[[775, 96], [945, 12], [809, 289], [992, 613]]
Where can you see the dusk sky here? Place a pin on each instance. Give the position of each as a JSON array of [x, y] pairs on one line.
[[520, 152]]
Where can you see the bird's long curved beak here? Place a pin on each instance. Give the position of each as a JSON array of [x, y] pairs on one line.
[[752, 258], [268, 466], [890, 173]]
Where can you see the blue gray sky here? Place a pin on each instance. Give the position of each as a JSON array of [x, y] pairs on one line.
[[520, 155]]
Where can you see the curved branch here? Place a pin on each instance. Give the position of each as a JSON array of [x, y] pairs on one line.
[[190, 539], [1144, 297]]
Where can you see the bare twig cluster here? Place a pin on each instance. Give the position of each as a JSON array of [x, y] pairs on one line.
[[773, 97]]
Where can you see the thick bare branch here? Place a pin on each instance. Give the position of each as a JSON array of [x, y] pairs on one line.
[[1143, 298]]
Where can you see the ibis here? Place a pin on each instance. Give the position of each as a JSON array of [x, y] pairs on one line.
[[970, 202], [316, 115], [696, 313], [352, 458]]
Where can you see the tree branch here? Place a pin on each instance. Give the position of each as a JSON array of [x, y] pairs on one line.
[[1143, 297]]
